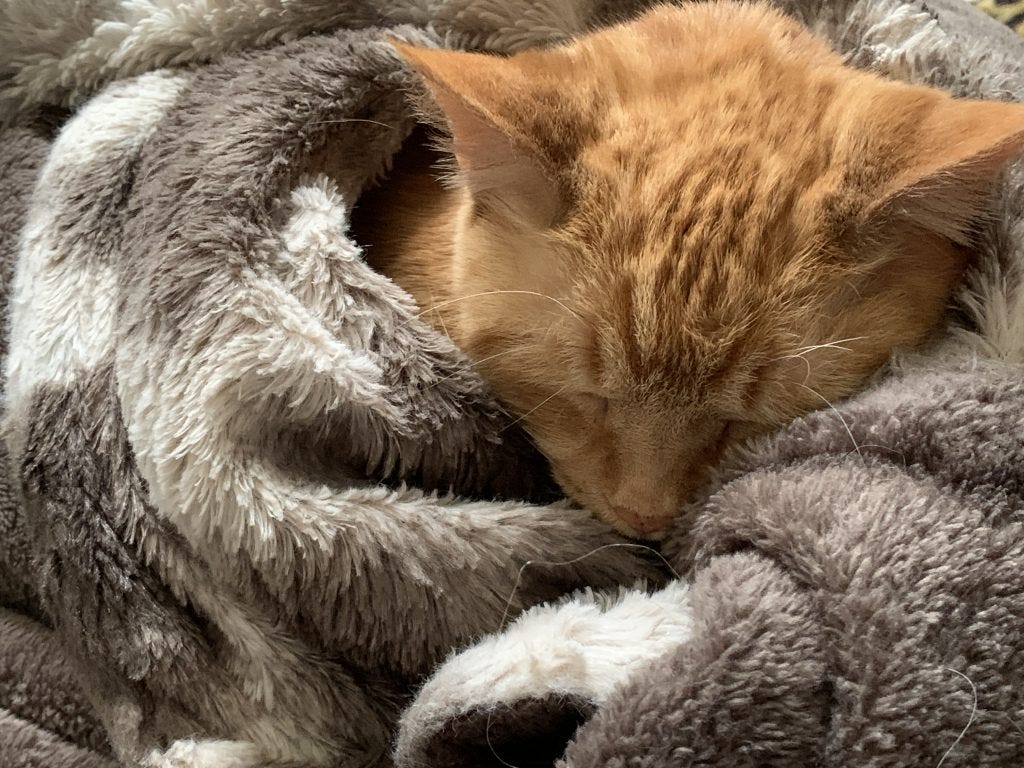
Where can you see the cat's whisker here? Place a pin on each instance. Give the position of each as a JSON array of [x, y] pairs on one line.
[[807, 373], [487, 735], [562, 304], [837, 344], [846, 426], [354, 120], [543, 402], [444, 326], [473, 363], [831, 345], [573, 561], [798, 354], [902, 456]]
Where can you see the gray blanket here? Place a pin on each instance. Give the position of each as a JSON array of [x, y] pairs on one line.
[[259, 502]]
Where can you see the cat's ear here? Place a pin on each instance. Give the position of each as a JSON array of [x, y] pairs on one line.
[[958, 152], [481, 98]]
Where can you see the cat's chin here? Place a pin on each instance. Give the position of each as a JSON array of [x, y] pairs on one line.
[[653, 537], [635, 526], [628, 523]]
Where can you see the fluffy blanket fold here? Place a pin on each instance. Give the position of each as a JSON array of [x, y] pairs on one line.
[[257, 502], [856, 600]]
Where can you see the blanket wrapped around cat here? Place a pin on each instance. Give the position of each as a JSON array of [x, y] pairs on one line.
[[257, 500]]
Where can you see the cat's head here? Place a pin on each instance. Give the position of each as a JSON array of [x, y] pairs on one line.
[[691, 228]]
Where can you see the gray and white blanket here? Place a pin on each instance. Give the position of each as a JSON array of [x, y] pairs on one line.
[[259, 514]]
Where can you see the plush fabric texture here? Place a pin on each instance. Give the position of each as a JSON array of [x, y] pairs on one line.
[[254, 502], [1010, 12], [261, 499], [44, 718]]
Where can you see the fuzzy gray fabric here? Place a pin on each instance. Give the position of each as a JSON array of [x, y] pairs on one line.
[[25, 148], [44, 718], [262, 499], [852, 605], [259, 501]]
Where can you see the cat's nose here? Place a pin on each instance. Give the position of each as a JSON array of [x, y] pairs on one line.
[[644, 526]]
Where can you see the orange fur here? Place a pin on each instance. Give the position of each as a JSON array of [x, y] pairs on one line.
[[678, 232]]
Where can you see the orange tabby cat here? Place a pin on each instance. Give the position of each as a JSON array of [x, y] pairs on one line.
[[681, 231]]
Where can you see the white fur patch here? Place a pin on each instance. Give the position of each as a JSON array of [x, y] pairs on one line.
[[585, 646], [206, 753], [64, 292], [996, 302], [292, 332]]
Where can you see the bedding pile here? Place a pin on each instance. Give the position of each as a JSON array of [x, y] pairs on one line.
[[257, 513]]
